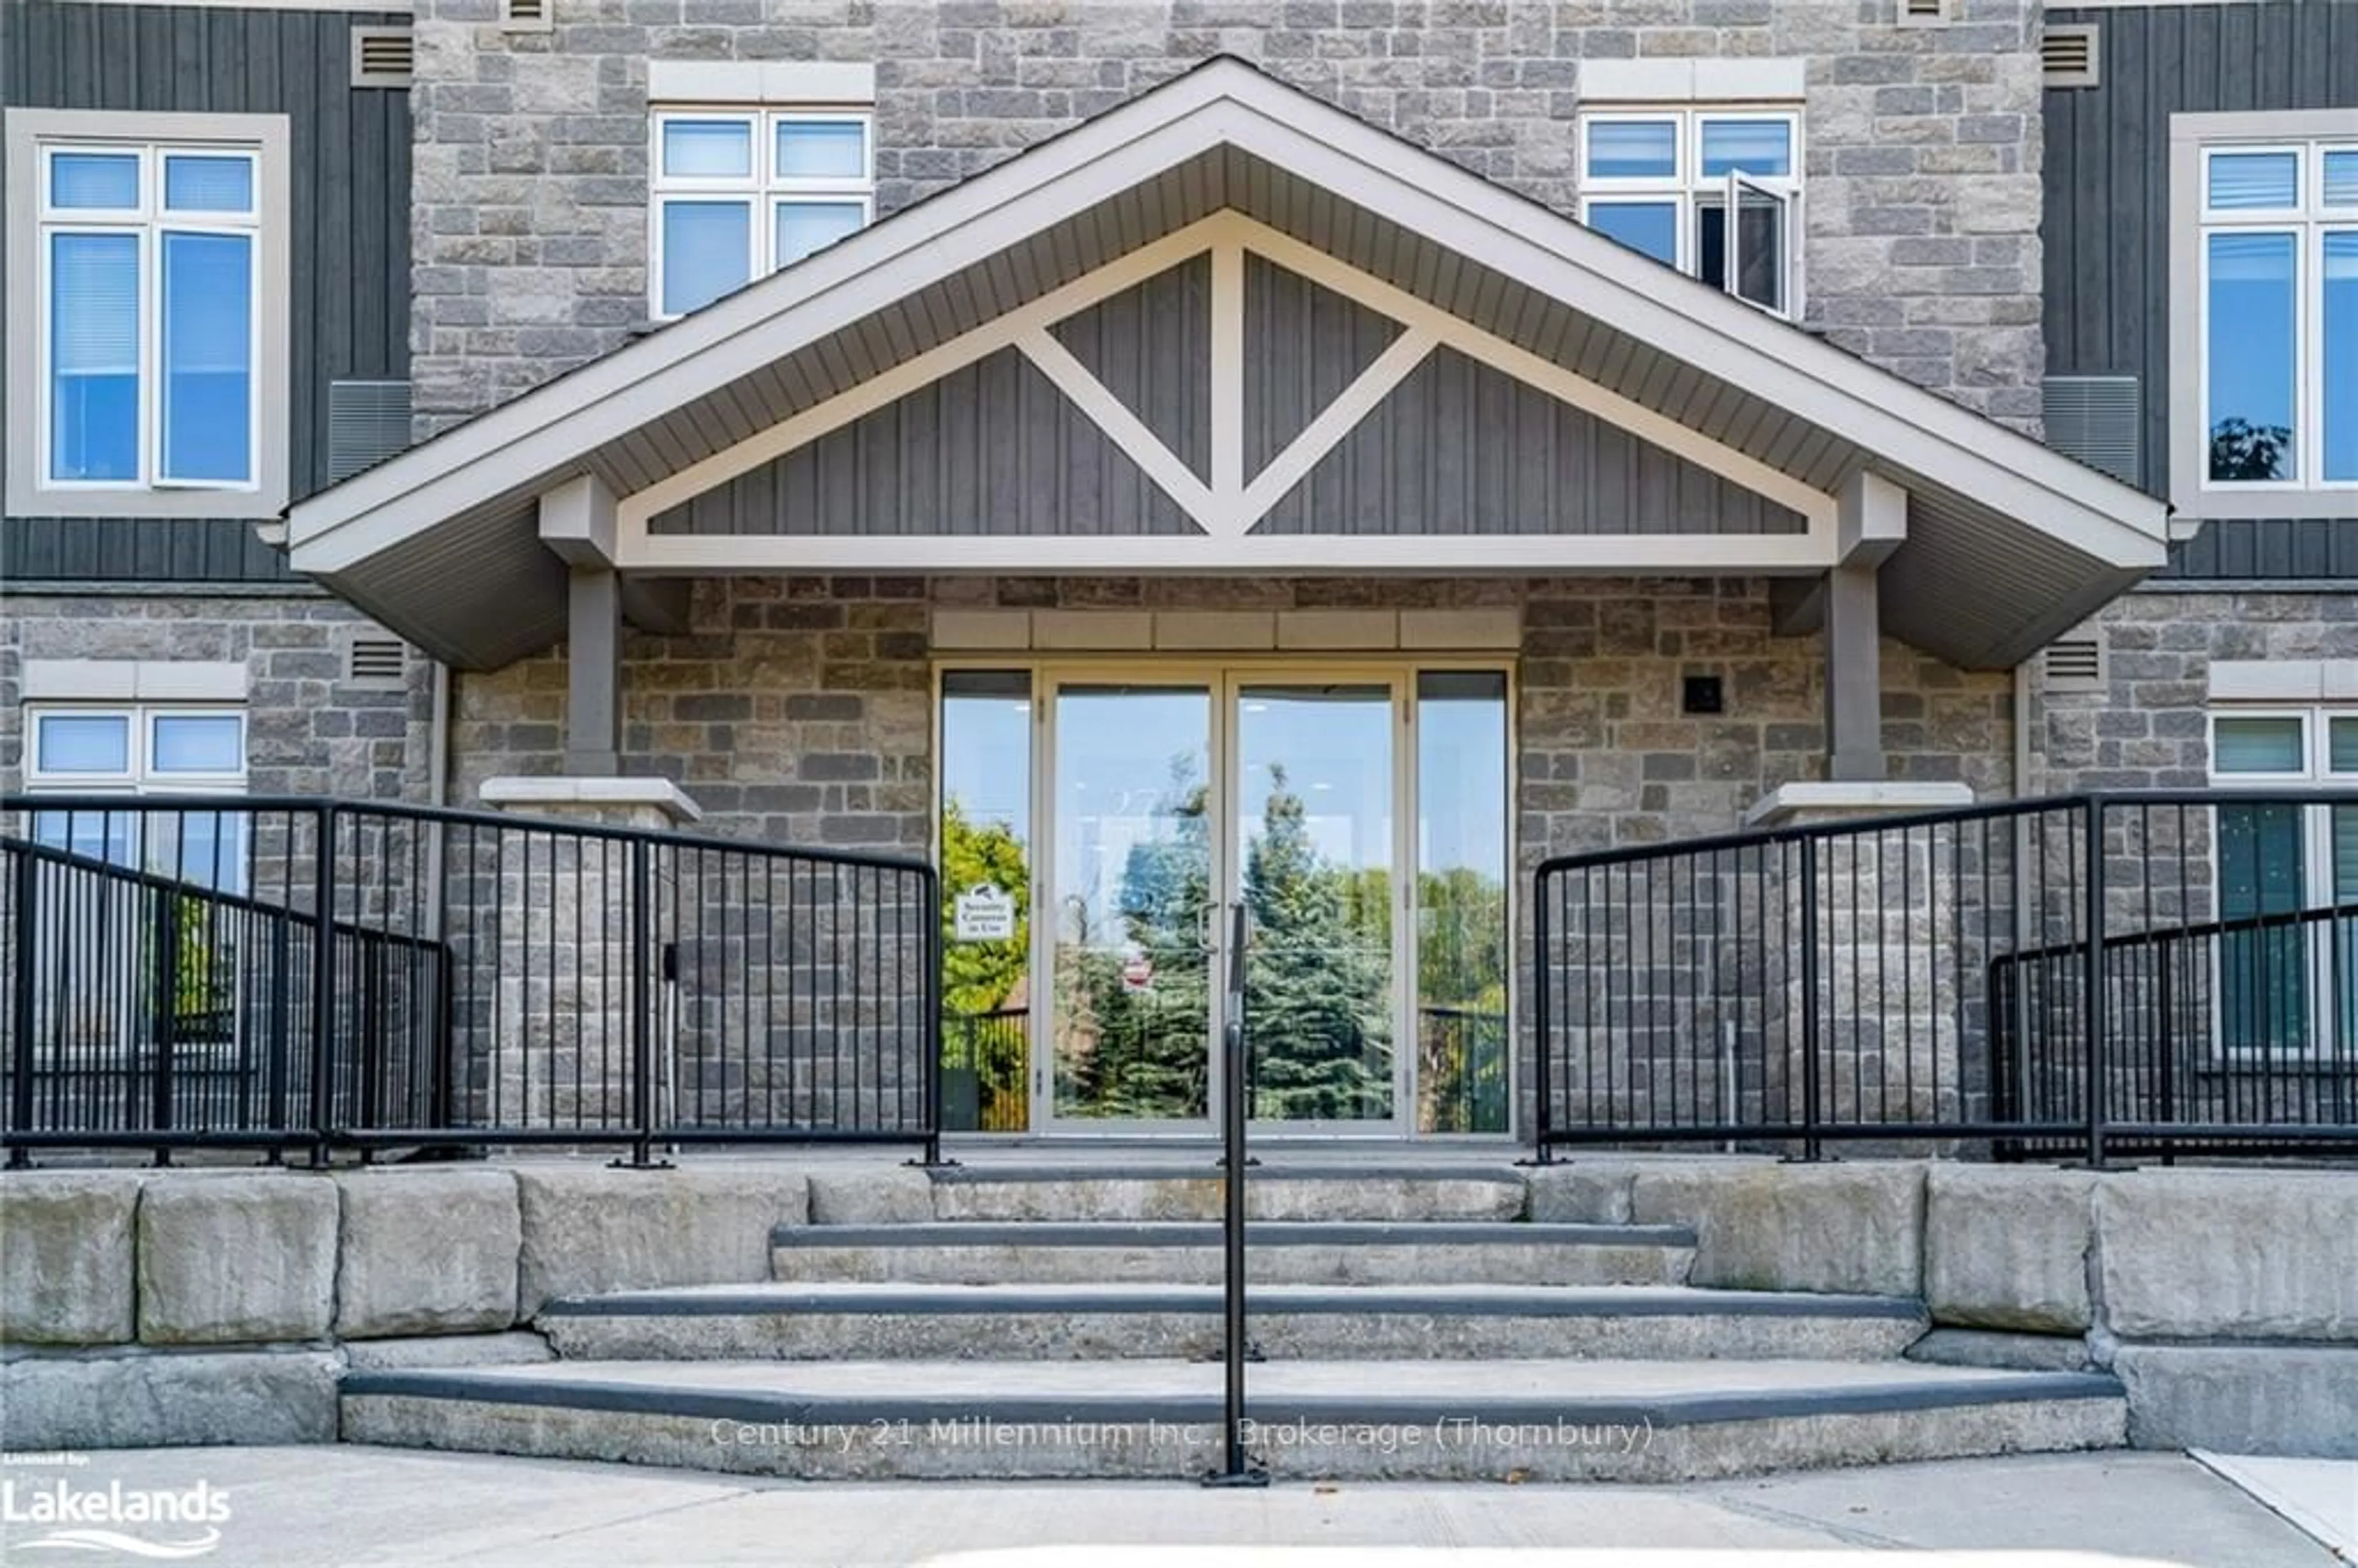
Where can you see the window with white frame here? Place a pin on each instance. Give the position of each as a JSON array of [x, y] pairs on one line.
[[141, 750], [1713, 192], [2289, 860], [147, 314], [2278, 261], [739, 193]]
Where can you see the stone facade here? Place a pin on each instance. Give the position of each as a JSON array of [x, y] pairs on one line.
[[309, 731], [529, 224]]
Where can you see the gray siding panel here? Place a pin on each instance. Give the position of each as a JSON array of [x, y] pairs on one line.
[[1149, 344], [1459, 448], [2107, 229], [1304, 344], [991, 448], [348, 252]]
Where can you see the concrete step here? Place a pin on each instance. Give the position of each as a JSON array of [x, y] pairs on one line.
[[1103, 1191], [859, 1322], [1603, 1421], [1288, 1252]]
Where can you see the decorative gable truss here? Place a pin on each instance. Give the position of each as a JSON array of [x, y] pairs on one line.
[[1227, 397]]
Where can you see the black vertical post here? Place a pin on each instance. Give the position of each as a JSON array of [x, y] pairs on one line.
[[323, 979], [1542, 1019], [21, 1005], [2166, 1033], [163, 1016], [643, 992], [2091, 1011], [930, 989], [1811, 1148], [1236, 1468]]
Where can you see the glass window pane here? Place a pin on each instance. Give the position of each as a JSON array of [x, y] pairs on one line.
[[208, 358], [2339, 332], [1649, 226], [1464, 1081], [197, 743], [108, 180], [808, 226], [198, 184], [822, 149], [2341, 180], [94, 356], [94, 835], [85, 743], [2341, 746], [1633, 149], [986, 850], [1760, 249], [2271, 745], [207, 847], [2253, 182], [2254, 340], [1746, 147], [706, 251], [708, 149], [1711, 242]]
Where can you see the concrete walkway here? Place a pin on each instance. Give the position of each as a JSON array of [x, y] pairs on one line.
[[361, 1507]]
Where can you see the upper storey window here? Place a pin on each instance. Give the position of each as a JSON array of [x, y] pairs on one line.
[[149, 311], [1713, 192], [739, 193], [2280, 300]]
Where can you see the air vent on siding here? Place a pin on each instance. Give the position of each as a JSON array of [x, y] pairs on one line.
[[381, 57], [526, 15], [2094, 418], [376, 662], [2073, 664], [368, 421], [2069, 53], [1924, 13]]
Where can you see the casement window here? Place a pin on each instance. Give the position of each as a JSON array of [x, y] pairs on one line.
[[147, 314], [2287, 880], [1713, 192], [739, 193], [2279, 303], [141, 750]]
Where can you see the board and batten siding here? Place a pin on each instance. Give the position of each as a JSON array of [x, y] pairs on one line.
[[347, 251], [2107, 233]]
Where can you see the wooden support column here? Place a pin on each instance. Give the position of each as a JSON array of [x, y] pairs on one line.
[[593, 674], [1870, 523]]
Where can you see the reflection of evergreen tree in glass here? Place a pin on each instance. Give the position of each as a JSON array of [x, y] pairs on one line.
[[1148, 1055], [1317, 989], [1461, 973]]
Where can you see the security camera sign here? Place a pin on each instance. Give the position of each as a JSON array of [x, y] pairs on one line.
[[983, 913]]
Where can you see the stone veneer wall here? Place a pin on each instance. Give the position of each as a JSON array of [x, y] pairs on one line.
[[308, 731], [529, 222], [799, 710]]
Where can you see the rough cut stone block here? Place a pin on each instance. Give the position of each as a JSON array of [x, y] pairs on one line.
[[1794, 1227], [2231, 1254], [2017, 1352], [2284, 1399], [142, 1400], [66, 1256], [240, 1258], [892, 1194], [588, 1229], [518, 1348], [427, 1253], [1583, 1192], [2007, 1247]]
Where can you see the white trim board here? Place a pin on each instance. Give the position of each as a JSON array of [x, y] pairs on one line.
[[548, 433]]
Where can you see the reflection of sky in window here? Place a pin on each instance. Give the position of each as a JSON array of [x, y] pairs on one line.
[[2339, 334], [1335, 750], [1462, 783], [986, 759], [2254, 331], [1126, 761]]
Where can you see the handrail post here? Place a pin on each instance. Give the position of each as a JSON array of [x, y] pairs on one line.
[[929, 888], [2166, 1043], [163, 1016], [20, 1004], [323, 979], [1236, 1468], [2092, 1009], [1811, 1147], [642, 994], [1542, 1020]]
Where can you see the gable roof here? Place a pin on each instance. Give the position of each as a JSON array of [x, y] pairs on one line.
[[2010, 543]]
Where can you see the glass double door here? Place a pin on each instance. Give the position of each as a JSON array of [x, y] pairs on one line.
[[1190, 812]]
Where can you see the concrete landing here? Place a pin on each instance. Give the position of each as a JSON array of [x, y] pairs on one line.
[[1639, 1421]]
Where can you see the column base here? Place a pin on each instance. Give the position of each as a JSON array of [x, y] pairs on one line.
[[640, 802], [1821, 802]]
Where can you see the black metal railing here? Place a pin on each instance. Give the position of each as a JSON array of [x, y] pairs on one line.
[[987, 1071], [487, 979], [2079, 977]]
